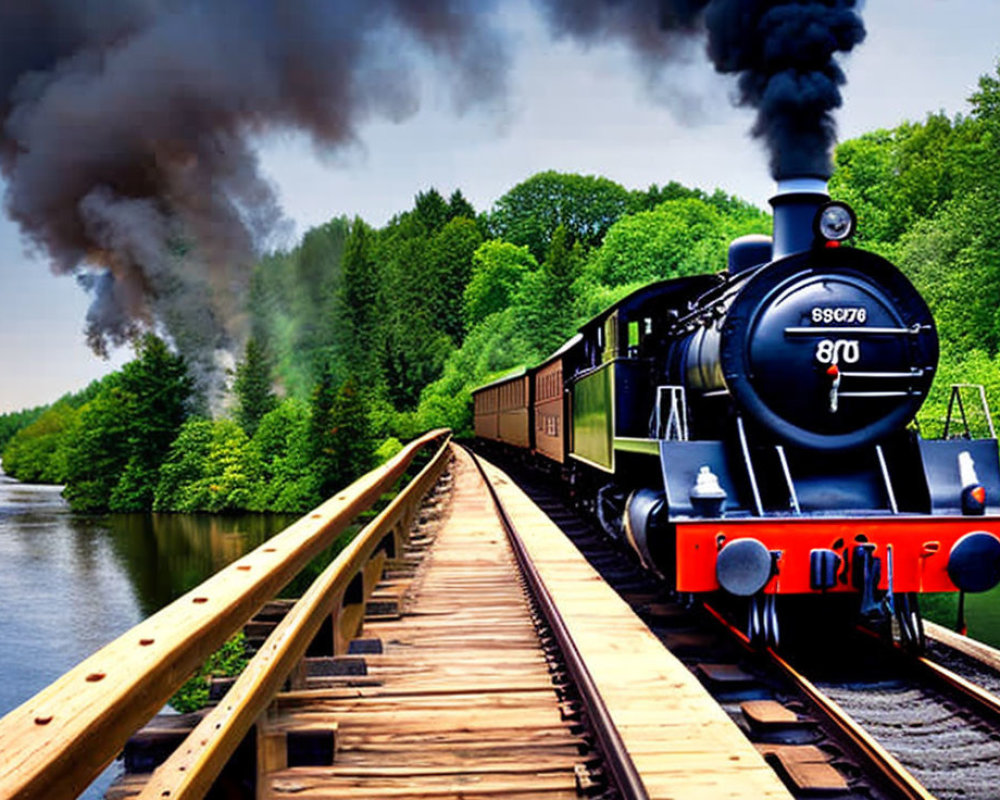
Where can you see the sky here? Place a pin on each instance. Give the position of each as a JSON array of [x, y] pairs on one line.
[[569, 109]]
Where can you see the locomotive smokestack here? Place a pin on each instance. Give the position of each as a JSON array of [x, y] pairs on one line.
[[795, 206]]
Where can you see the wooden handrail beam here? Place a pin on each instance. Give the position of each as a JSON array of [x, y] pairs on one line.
[[56, 743], [189, 773]]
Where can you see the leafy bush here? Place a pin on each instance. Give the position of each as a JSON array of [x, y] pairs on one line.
[[387, 450], [210, 467], [226, 662]]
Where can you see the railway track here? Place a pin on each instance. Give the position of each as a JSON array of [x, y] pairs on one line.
[[623, 778], [472, 682], [861, 719]]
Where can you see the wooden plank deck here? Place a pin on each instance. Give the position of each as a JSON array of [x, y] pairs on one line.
[[460, 703]]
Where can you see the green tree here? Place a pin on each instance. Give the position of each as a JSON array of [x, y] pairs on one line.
[[126, 430], [498, 269], [38, 452], [283, 451], [495, 345], [252, 387], [450, 266], [583, 204], [895, 178], [546, 296], [100, 451], [458, 206], [210, 467], [677, 238], [358, 299], [431, 210], [341, 435], [411, 345], [13, 421]]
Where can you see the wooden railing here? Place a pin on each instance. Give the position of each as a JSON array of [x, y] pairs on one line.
[[55, 744]]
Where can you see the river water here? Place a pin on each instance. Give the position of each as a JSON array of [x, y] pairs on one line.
[[71, 583]]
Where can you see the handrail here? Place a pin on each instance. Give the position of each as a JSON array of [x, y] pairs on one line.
[[56, 743], [191, 770]]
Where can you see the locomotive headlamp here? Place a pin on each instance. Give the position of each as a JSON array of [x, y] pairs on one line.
[[835, 222]]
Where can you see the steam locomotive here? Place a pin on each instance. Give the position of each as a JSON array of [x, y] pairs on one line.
[[750, 432]]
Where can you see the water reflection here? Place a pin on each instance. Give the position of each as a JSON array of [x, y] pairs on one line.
[[167, 555]]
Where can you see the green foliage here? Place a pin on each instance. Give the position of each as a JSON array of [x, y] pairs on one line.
[[586, 206], [498, 344], [340, 433], [282, 449], [972, 366], [431, 210], [386, 450], [38, 453], [728, 205], [210, 467], [412, 344], [498, 270], [458, 206], [226, 662], [358, 296], [893, 179], [450, 267], [13, 421], [546, 297], [252, 387], [125, 431], [677, 238], [948, 258], [99, 453]]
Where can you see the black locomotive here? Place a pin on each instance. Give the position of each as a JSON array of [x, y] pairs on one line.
[[751, 431]]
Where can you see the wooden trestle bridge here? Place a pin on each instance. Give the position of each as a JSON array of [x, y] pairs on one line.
[[459, 647]]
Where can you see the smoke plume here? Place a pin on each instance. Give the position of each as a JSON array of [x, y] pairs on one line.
[[127, 128], [782, 52]]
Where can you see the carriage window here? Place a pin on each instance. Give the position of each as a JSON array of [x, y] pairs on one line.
[[633, 335]]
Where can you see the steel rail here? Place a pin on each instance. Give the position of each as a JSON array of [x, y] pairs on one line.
[[623, 770], [878, 757], [985, 702]]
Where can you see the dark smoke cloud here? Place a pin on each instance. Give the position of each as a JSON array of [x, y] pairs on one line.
[[127, 129], [784, 56], [781, 50]]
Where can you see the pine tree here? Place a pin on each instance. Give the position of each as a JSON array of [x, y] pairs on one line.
[[126, 431], [358, 294], [252, 386], [340, 434]]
